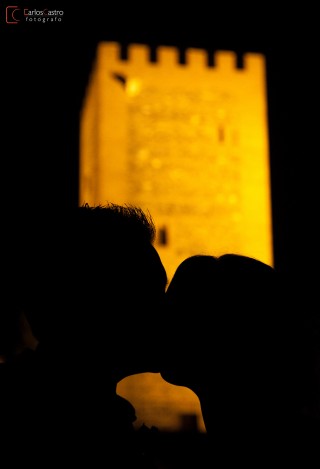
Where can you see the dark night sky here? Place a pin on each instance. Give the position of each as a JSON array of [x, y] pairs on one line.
[[44, 72]]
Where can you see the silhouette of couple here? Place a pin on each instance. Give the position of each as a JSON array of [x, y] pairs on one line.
[[94, 291]]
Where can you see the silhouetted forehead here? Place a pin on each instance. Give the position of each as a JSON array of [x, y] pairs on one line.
[[149, 260]]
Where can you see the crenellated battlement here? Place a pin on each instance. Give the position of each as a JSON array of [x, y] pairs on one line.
[[139, 55]]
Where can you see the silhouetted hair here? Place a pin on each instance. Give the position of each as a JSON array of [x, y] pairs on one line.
[[124, 221], [218, 281], [81, 258]]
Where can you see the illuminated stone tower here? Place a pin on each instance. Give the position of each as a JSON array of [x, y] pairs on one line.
[[188, 142]]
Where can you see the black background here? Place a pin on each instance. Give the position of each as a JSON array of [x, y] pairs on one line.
[[44, 71]]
